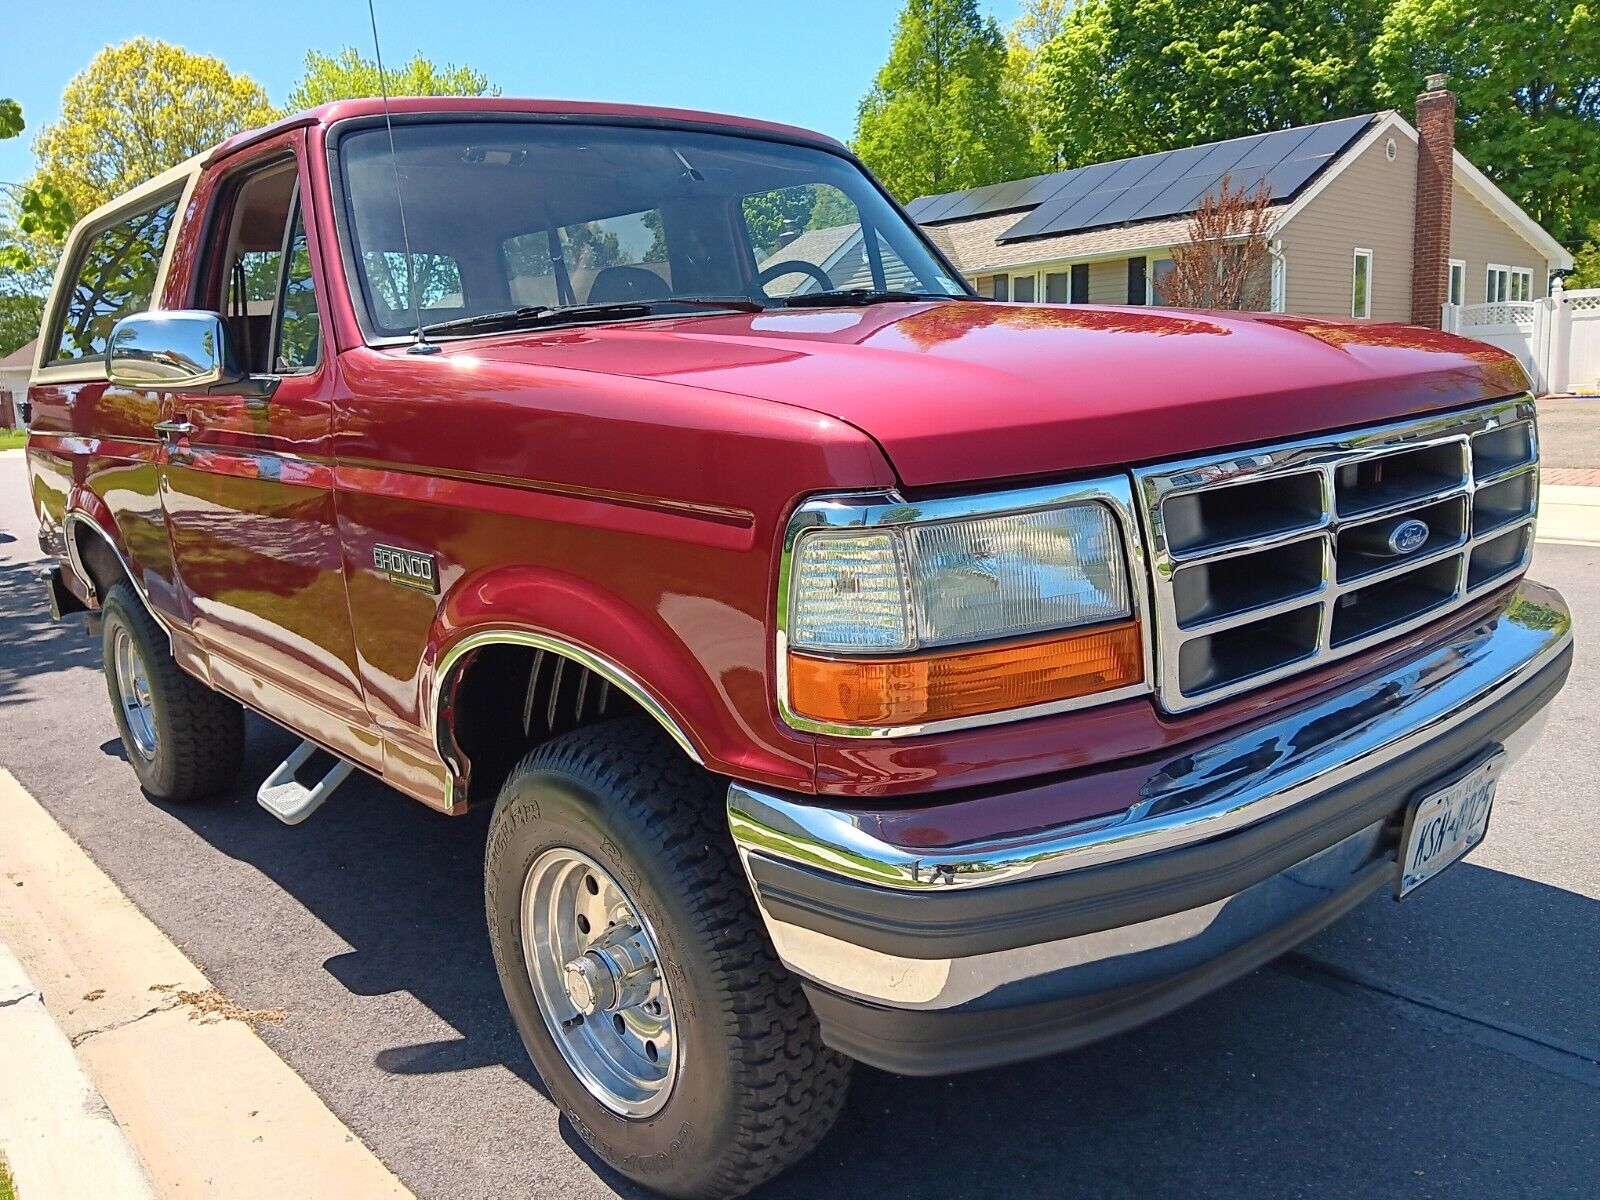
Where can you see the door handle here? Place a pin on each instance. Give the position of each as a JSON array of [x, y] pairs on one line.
[[178, 427]]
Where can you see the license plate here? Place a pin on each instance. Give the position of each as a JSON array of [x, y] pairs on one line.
[[1446, 823]]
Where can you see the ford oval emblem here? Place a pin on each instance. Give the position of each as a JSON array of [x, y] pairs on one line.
[[1408, 537]]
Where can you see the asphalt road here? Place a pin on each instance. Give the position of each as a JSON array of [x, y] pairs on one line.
[[1444, 1047]]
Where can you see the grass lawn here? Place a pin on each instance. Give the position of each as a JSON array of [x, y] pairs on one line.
[[11, 439]]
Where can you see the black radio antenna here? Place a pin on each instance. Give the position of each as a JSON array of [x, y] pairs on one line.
[[419, 340]]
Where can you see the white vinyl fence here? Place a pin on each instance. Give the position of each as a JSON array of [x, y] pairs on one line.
[[1557, 338]]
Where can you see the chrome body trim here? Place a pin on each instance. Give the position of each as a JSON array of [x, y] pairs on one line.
[[856, 511], [1322, 457], [944, 983], [605, 668], [1261, 771]]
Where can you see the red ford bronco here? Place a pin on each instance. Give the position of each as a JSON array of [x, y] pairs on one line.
[[858, 668]]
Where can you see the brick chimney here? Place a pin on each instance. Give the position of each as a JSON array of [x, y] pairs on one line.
[[1430, 246]]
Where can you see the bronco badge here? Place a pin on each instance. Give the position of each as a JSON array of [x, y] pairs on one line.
[[408, 568]]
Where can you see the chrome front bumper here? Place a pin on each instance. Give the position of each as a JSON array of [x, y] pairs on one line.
[[1233, 851]]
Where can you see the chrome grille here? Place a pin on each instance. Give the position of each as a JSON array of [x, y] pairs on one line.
[[1273, 560]]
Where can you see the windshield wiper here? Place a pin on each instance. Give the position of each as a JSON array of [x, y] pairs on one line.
[[530, 316], [841, 297]]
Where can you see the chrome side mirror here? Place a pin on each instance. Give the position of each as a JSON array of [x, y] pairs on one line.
[[181, 350]]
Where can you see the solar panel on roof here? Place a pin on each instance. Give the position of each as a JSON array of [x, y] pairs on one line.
[[1331, 137], [1287, 178], [1175, 181], [939, 205], [1010, 194], [1129, 202], [1269, 150], [976, 202], [979, 200]]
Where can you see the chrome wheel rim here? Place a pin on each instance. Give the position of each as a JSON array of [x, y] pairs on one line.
[[593, 961], [133, 692]]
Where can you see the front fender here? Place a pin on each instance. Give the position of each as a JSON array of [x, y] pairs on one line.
[[696, 693]]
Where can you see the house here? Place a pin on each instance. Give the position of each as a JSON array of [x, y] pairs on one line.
[[14, 371], [1364, 221], [841, 252]]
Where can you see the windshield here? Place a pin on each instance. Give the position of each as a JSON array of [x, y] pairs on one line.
[[514, 214]]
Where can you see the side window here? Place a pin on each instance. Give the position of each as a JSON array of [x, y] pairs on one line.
[[244, 267], [614, 258], [115, 276], [299, 330], [1497, 284], [817, 227], [1361, 284]]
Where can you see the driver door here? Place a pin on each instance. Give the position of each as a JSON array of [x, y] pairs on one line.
[[247, 483]]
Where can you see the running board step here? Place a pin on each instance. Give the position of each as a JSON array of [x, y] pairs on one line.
[[291, 801]]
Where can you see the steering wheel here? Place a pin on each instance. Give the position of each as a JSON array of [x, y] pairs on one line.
[[790, 266]]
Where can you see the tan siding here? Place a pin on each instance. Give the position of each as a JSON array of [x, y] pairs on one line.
[[1108, 281], [1369, 204], [1481, 237]]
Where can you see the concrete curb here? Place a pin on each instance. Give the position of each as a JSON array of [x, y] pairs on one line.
[[1569, 513], [57, 1134], [207, 1106]]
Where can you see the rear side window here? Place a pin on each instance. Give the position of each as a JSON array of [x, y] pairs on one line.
[[615, 258], [115, 276]]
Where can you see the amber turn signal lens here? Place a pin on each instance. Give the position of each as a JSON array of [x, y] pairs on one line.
[[914, 689]]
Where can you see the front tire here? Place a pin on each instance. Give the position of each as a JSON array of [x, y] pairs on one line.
[[184, 741], [610, 823]]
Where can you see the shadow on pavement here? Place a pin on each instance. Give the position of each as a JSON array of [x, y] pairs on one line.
[[35, 646], [1281, 1083]]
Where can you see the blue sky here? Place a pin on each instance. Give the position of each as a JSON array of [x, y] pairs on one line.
[[805, 63]]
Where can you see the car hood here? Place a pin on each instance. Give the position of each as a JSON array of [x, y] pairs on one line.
[[957, 392]]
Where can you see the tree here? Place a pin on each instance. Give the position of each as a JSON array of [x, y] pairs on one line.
[[1527, 83], [1040, 22], [22, 281], [1127, 77], [136, 110], [1586, 260], [20, 315], [939, 115], [1226, 263], [347, 76]]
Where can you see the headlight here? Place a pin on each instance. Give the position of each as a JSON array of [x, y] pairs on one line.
[[873, 612]]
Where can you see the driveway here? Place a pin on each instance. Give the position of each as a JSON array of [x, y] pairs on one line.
[[1447, 1046]]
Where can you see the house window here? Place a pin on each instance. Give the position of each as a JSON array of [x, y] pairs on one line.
[[1361, 284], [1457, 292], [1159, 270], [1521, 283], [1058, 288], [994, 286], [1022, 288], [1496, 284]]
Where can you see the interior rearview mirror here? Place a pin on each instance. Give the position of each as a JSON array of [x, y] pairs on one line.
[[179, 350]]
